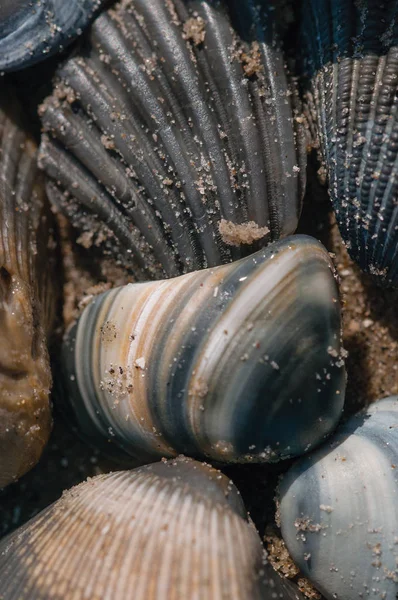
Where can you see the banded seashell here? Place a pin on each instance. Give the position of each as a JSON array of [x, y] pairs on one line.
[[31, 30], [27, 298], [170, 530], [338, 508], [171, 137], [351, 51], [238, 363]]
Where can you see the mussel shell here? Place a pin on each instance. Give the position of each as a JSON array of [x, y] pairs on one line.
[[27, 297], [238, 363], [31, 30], [351, 54], [174, 529], [173, 126], [338, 508]]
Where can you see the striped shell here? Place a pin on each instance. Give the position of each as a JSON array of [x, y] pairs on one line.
[[352, 59], [27, 298], [339, 508], [168, 531], [171, 139], [31, 30], [238, 363]]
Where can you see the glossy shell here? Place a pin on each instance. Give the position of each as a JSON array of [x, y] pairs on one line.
[[352, 61], [171, 138], [339, 508], [238, 363], [31, 30], [27, 298], [171, 530]]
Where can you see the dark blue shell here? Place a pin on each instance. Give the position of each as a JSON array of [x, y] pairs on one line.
[[351, 59], [31, 30]]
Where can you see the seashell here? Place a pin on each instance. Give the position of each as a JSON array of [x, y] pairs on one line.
[[338, 508], [27, 298], [171, 138], [351, 50], [174, 529], [238, 363], [31, 30]]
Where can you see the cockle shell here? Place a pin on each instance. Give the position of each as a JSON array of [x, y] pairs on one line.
[[170, 530], [351, 50], [27, 298], [171, 137], [338, 508], [238, 363], [31, 30]]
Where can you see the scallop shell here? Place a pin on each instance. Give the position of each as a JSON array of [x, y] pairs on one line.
[[238, 363], [171, 138], [171, 530], [339, 508], [352, 60], [31, 30], [27, 298]]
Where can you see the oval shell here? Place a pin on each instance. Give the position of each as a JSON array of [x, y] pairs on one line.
[[174, 529], [238, 363], [338, 508], [171, 138]]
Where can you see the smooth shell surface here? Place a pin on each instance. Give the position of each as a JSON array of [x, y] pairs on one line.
[[31, 30], [168, 531], [338, 508], [238, 363], [27, 298], [352, 60], [171, 139]]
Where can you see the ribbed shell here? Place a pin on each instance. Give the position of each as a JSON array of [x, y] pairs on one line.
[[31, 30], [352, 58], [27, 298], [174, 530], [339, 512], [238, 363], [173, 125]]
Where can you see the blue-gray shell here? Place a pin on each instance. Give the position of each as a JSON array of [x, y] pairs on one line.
[[339, 508]]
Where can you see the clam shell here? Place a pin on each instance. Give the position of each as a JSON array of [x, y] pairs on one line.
[[238, 363], [27, 298], [31, 30], [171, 138], [171, 530], [351, 49], [338, 508]]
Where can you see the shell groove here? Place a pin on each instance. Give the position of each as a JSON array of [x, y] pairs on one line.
[[339, 508], [174, 529], [352, 60], [238, 363], [27, 298], [31, 30], [171, 138]]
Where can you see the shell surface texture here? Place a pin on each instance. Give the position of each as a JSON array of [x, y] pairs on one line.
[[31, 30], [338, 508], [27, 298], [170, 530], [352, 62], [171, 138], [238, 363]]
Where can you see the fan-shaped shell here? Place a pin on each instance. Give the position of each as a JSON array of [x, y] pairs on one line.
[[352, 60], [237, 363], [171, 137], [171, 530], [27, 298], [338, 508], [31, 30]]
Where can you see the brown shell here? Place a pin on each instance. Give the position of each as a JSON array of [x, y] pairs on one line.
[[172, 530], [27, 298]]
